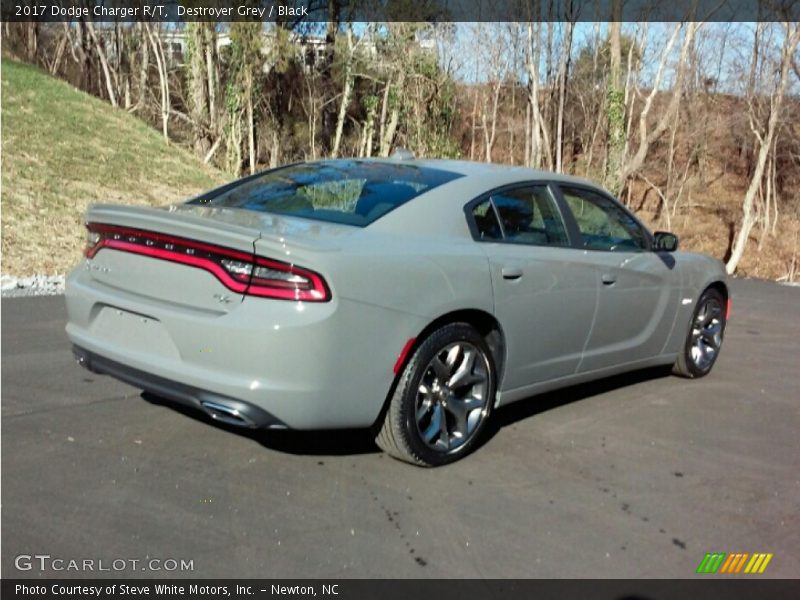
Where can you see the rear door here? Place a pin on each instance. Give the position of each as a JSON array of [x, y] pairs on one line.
[[638, 289], [544, 301]]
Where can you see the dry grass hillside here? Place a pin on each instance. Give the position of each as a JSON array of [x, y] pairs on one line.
[[62, 150]]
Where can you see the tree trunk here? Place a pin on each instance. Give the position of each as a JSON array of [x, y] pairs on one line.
[[615, 105], [473, 126], [394, 118], [144, 66], [211, 76], [346, 93], [563, 74], [59, 55], [384, 113], [540, 140], [31, 40], [276, 148], [158, 52], [369, 132], [198, 91], [251, 126], [647, 138], [792, 36], [490, 128], [101, 54]]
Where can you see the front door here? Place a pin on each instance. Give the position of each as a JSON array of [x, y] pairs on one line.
[[638, 289]]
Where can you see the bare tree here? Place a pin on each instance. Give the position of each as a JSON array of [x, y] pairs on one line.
[[347, 91], [196, 82], [539, 132], [764, 142], [647, 136], [615, 103], [563, 74], [163, 79], [492, 63], [101, 55]]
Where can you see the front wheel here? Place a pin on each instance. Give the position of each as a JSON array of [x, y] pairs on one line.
[[442, 399], [704, 338]]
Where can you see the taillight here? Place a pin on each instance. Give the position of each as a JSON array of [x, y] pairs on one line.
[[92, 242], [238, 271], [276, 279]]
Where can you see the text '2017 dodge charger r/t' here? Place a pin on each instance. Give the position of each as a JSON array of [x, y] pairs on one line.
[[411, 296]]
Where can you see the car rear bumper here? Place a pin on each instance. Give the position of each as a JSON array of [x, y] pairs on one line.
[[220, 408], [272, 363]]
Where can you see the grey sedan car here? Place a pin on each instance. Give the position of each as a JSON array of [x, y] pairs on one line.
[[411, 296]]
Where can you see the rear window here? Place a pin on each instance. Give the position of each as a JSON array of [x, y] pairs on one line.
[[338, 191]]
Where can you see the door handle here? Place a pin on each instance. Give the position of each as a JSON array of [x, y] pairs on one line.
[[511, 273], [608, 279]]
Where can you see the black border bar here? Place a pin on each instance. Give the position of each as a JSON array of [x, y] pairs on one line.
[[733, 588], [317, 11]]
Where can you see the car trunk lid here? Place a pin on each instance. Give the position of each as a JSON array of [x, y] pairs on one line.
[[191, 255], [158, 253]]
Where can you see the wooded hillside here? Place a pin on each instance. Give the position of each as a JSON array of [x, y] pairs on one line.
[[696, 126]]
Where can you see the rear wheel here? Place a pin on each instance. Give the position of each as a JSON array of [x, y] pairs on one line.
[[704, 338], [442, 399]]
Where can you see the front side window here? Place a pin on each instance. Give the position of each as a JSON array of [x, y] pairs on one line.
[[602, 223], [352, 192], [525, 215]]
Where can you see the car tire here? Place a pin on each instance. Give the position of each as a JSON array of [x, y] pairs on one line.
[[704, 336], [442, 398]]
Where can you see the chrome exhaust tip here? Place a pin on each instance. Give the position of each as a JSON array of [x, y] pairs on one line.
[[227, 414]]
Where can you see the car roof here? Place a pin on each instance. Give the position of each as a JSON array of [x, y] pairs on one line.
[[474, 169]]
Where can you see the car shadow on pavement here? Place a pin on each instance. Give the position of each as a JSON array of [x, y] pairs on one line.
[[529, 407], [344, 442], [339, 442]]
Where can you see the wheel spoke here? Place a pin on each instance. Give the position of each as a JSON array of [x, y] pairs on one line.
[[461, 408], [444, 435], [435, 426], [452, 357], [464, 374], [423, 410], [440, 369], [712, 333], [702, 359], [702, 315]]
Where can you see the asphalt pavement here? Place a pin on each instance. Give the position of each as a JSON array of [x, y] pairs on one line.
[[636, 476]]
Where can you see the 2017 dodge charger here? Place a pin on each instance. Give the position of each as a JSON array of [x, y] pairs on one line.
[[412, 296]]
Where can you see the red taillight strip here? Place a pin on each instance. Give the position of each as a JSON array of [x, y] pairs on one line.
[[160, 237], [186, 259], [315, 291]]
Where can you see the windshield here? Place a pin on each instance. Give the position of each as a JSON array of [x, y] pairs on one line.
[[353, 192]]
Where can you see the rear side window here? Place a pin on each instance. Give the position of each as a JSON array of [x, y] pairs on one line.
[[486, 221], [339, 191], [526, 215]]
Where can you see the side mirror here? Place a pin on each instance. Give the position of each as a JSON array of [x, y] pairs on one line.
[[664, 241]]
